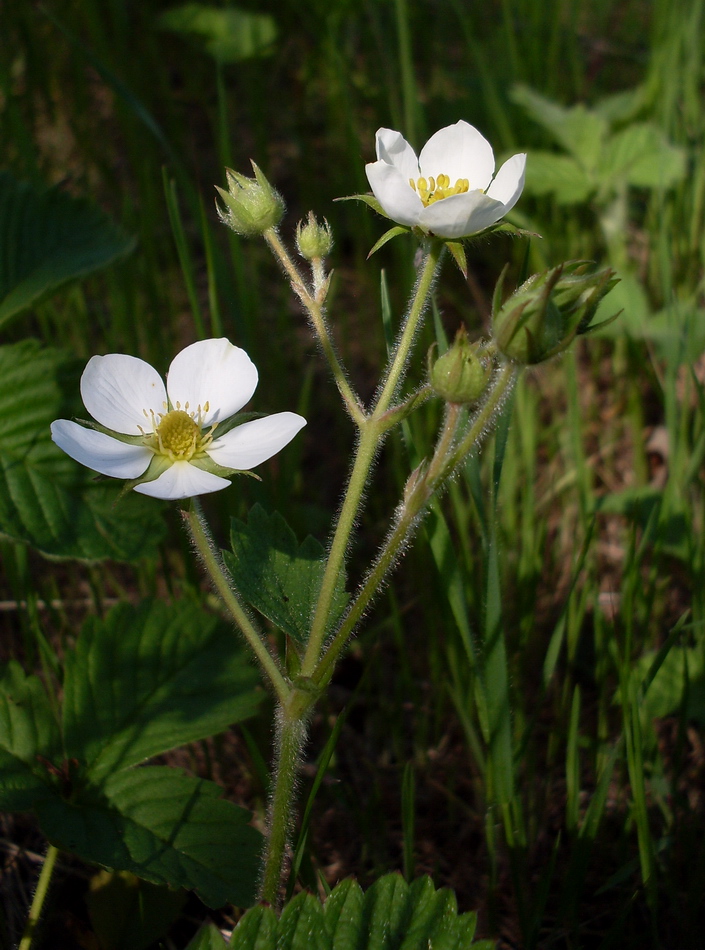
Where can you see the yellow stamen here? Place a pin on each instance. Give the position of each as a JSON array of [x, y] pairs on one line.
[[178, 435], [434, 189]]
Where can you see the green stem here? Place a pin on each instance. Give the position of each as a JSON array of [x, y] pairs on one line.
[[372, 431], [416, 310], [223, 584], [39, 896], [314, 309], [445, 461], [291, 734]]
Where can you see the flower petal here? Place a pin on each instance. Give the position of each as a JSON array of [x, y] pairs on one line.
[[459, 151], [117, 390], [99, 451], [394, 193], [213, 372], [509, 181], [461, 215], [253, 442], [182, 480], [393, 149]]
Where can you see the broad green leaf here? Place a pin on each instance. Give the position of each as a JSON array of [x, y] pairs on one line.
[[391, 915], [46, 499], [163, 826], [48, 238], [579, 130], [642, 156], [277, 576], [130, 914], [683, 668], [29, 740], [230, 35], [558, 175], [147, 679]]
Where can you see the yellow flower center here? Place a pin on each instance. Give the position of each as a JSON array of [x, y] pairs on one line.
[[177, 434], [433, 189]]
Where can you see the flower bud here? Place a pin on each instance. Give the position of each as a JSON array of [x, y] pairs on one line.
[[313, 240], [543, 316], [252, 206], [460, 376]]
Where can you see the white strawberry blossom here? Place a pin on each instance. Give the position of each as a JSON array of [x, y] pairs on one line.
[[166, 437], [450, 190]]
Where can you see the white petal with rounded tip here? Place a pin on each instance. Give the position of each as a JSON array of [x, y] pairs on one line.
[[253, 442], [99, 451], [213, 372], [394, 193], [182, 480], [117, 388], [459, 151], [509, 182], [461, 215], [393, 149]]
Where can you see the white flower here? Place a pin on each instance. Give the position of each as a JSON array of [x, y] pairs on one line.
[[446, 190], [168, 436]]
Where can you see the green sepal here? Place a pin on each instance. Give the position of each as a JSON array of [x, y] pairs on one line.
[[369, 200], [458, 252], [504, 227], [387, 236]]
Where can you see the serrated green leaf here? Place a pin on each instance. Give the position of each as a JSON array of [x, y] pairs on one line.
[[163, 826], [229, 36], [387, 236], [390, 916], [559, 175], [257, 930], [642, 156], [301, 925], [147, 679], [579, 130], [29, 740], [46, 499], [343, 910], [207, 938], [46, 239], [277, 576], [384, 912]]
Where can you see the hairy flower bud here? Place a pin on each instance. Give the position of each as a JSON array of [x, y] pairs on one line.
[[252, 206], [313, 240], [460, 375], [543, 316]]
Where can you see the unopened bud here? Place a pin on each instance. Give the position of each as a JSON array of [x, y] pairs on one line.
[[545, 314], [313, 240], [461, 374], [252, 206]]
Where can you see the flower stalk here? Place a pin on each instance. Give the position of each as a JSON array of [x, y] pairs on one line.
[[200, 535]]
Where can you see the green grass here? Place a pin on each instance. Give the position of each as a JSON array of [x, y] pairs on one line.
[[498, 732]]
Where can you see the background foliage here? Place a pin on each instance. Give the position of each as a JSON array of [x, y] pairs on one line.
[[561, 796]]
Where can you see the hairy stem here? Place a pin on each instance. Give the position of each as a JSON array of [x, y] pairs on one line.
[[371, 434], [291, 734], [40, 894], [444, 462], [222, 582], [314, 309]]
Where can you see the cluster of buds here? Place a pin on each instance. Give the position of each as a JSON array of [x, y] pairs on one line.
[[461, 375], [252, 206], [543, 316]]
